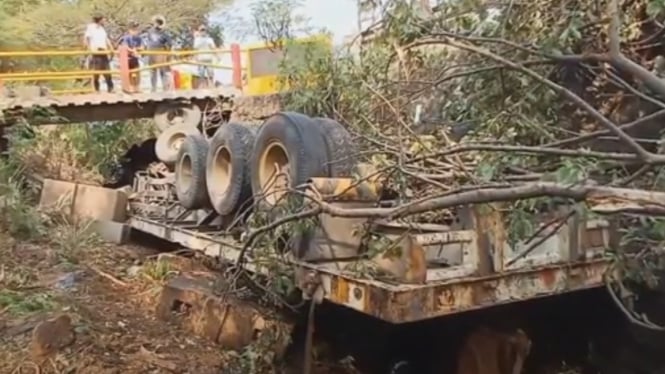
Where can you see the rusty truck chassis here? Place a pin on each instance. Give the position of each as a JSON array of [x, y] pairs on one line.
[[486, 275]]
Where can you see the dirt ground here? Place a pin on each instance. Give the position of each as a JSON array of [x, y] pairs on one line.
[[107, 296], [109, 292]]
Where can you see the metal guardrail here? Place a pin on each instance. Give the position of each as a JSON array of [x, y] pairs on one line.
[[123, 72]]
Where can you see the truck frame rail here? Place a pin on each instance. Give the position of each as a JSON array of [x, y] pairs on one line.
[[469, 267]]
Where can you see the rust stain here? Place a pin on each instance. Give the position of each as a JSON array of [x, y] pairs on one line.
[[446, 299], [368, 300], [485, 292], [376, 301], [593, 238], [344, 187], [548, 276], [340, 291], [491, 235]]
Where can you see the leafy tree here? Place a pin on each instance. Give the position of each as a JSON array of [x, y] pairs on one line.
[[271, 21], [275, 21], [496, 96], [60, 23]]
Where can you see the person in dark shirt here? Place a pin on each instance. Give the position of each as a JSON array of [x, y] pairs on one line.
[[134, 43], [157, 39]]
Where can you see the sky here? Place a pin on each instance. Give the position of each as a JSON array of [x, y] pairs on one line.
[[337, 16]]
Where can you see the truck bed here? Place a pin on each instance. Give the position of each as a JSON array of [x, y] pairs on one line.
[[558, 265]]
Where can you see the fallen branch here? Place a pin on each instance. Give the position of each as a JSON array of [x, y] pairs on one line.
[[633, 317], [608, 199], [601, 199], [625, 64], [108, 276], [578, 101], [155, 359], [586, 137], [556, 225], [251, 237], [528, 150]]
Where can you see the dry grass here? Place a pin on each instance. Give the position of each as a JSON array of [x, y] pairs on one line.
[[39, 281], [54, 155], [78, 152]]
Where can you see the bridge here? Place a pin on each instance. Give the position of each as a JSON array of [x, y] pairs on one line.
[[69, 97]]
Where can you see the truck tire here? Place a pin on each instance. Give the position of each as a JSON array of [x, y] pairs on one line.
[[190, 170], [621, 347], [169, 141], [294, 143], [170, 114], [227, 168], [341, 149]]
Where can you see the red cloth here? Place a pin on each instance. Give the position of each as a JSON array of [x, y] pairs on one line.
[[176, 80]]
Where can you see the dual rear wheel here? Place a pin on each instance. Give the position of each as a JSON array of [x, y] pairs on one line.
[[242, 166]]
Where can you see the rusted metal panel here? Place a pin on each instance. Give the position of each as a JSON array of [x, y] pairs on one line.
[[575, 239], [333, 238], [346, 189], [399, 305], [452, 290], [578, 239]]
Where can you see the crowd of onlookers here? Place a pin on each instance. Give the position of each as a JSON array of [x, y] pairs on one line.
[[154, 39]]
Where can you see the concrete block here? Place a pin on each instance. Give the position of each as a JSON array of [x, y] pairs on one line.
[[113, 232], [230, 322], [91, 202]]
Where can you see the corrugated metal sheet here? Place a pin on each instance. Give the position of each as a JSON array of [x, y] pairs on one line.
[[103, 98]]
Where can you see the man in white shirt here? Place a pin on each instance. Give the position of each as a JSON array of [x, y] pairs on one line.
[[96, 39]]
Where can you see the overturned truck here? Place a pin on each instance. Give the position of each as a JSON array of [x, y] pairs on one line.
[[221, 192]]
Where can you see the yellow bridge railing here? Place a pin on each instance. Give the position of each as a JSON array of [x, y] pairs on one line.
[[124, 72]]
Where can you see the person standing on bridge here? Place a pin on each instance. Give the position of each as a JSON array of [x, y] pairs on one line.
[[96, 39], [157, 39], [204, 42], [134, 43]]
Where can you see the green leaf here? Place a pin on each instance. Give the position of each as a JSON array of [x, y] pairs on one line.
[[486, 171], [655, 7]]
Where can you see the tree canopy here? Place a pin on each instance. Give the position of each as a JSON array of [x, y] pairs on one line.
[[40, 24], [479, 102]]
